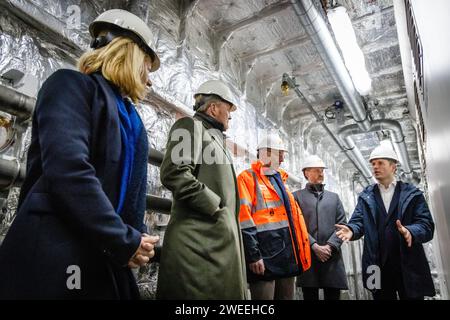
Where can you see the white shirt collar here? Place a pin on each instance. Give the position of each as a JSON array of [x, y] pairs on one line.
[[392, 185]]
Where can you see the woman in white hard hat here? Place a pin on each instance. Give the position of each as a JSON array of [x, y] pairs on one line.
[[79, 225]]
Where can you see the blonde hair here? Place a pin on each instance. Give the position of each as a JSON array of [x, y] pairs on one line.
[[122, 62]]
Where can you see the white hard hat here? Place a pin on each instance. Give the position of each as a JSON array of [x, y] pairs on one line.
[[123, 23], [218, 88], [313, 162], [383, 152], [272, 141]]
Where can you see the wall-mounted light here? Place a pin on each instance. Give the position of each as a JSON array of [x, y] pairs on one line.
[[339, 110], [353, 55], [285, 88]]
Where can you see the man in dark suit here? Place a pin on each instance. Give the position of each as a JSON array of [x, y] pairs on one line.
[[394, 219], [322, 209]]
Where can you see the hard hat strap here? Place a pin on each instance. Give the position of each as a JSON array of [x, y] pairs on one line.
[[102, 40], [114, 32]]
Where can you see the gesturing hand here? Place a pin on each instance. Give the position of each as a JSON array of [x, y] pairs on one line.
[[145, 251], [344, 233], [405, 233]]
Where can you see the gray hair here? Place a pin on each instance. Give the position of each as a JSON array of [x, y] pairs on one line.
[[203, 101]]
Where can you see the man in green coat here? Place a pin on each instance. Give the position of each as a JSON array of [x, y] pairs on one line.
[[202, 255]]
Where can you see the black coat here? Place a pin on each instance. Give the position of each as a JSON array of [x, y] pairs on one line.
[[321, 214], [66, 212], [414, 214]]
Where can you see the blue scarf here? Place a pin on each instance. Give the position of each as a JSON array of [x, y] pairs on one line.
[[130, 130], [277, 183], [279, 186]]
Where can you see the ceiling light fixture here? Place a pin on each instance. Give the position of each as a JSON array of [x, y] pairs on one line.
[[353, 55]]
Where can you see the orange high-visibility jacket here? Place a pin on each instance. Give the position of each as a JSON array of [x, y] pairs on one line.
[[270, 232]]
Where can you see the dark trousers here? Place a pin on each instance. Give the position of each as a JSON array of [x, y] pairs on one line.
[[391, 285], [280, 289], [328, 293]]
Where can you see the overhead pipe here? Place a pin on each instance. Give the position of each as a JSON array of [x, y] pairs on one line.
[[397, 137], [351, 148], [317, 29], [16, 103], [291, 83]]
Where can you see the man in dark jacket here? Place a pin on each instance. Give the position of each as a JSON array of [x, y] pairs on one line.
[[395, 220], [322, 210]]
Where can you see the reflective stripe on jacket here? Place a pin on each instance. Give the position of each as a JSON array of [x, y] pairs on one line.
[[270, 232]]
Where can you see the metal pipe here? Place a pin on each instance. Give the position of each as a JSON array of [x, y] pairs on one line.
[[345, 134], [16, 103], [155, 157], [291, 82], [351, 147], [12, 173], [317, 29], [352, 248], [398, 140], [159, 204], [355, 271]]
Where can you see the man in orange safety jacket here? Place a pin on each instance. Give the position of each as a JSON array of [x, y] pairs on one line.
[[275, 238]]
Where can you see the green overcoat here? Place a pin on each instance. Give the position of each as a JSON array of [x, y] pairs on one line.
[[202, 255]]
